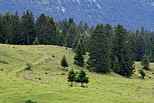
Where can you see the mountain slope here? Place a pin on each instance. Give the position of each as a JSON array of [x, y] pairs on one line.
[[131, 13], [48, 82]]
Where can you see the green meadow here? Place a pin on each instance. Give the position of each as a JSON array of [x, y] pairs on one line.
[[46, 82]]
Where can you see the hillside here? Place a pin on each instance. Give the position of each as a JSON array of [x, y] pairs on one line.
[[133, 14], [47, 82]]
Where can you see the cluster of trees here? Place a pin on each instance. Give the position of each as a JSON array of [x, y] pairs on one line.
[[26, 30], [75, 76], [78, 77], [109, 48]]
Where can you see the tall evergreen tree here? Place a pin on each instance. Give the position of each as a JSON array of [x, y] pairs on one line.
[[79, 59], [71, 34], [152, 52], [15, 34], [82, 46], [122, 49], [75, 43], [116, 66], [145, 62], [52, 33], [1, 26], [99, 50], [28, 28], [41, 27], [6, 24]]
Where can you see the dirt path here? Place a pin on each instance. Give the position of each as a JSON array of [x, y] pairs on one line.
[[28, 78], [43, 62]]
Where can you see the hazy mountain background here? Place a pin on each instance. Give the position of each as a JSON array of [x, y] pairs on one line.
[[133, 14]]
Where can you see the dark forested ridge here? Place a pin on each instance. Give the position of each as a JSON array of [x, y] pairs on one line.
[[133, 14], [110, 48]]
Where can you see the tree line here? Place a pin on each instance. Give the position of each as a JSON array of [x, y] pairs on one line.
[[109, 48], [27, 30]]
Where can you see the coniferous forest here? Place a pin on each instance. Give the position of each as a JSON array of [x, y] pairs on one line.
[[110, 48]]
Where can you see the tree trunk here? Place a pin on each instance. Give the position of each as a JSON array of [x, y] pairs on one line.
[[71, 84], [82, 85]]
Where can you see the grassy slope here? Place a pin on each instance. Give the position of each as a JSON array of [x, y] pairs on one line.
[[109, 88]]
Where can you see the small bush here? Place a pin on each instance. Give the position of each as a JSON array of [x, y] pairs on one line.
[[29, 66], [46, 73], [39, 78], [53, 56], [1, 69], [30, 101], [3, 62], [142, 73], [62, 73]]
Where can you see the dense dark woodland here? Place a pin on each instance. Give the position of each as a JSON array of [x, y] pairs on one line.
[[108, 46]]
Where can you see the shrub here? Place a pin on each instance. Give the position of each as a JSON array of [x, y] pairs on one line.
[[143, 74], [30, 101], [29, 66]]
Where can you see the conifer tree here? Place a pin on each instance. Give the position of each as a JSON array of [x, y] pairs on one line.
[[71, 34], [82, 78], [99, 50], [71, 77], [75, 43], [64, 63], [36, 41], [41, 27], [6, 41], [28, 28], [6, 26], [82, 46], [15, 33], [145, 62], [116, 66], [1, 34], [152, 53], [52, 33], [79, 59], [122, 49]]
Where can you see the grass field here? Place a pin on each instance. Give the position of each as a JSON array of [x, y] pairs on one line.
[[48, 82]]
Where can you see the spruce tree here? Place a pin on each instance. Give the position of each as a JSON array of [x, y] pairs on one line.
[[1, 34], [75, 43], [41, 27], [36, 41], [99, 50], [79, 59], [64, 63], [152, 53], [82, 46], [122, 49], [145, 62], [15, 35], [71, 77], [116, 66], [6, 41], [71, 34], [6, 26], [28, 28], [82, 78]]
